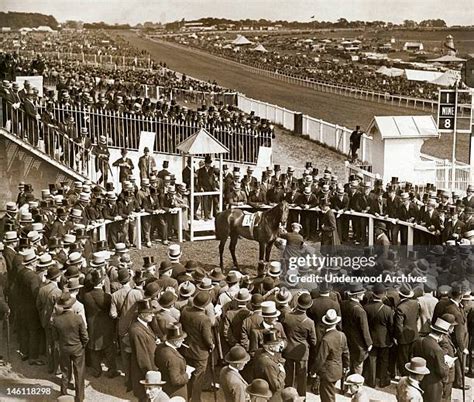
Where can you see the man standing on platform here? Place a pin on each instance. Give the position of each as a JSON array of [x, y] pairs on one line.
[[125, 166], [146, 164], [102, 155], [207, 182], [354, 139]]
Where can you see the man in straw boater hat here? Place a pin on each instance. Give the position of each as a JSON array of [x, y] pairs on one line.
[[232, 383], [153, 384], [268, 365], [429, 349], [269, 320], [47, 297], [356, 327], [70, 331], [408, 388], [301, 337], [171, 363], [332, 358], [355, 387]]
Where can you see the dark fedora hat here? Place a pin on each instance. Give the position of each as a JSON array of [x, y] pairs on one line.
[[66, 300], [123, 275], [305, 301], [53, 273], [152, 289], [145, 306], [355, 288], [201, 299], [237, 354], [270, 337], [175, 332], [167, 299]]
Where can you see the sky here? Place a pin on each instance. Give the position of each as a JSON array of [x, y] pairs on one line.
[[458, 12]]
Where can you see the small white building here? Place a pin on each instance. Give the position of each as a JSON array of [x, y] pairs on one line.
[[413, 46], [397, 142]]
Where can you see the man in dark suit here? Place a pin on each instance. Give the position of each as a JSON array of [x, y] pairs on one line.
[[257, 196], [172, 364], [468, 200], [146, 164], [332, 358], [125, 166], [329, 235], [406, 317], [382, 243], [380, 320], [27, 285], [429, 349], [407, 212], [164, 172], [142, 345], [207, 182], [460, 335], [430, 219], [101, 326], [356, 327], [454, 229], [301, 336], [268, 365], [340, 203], [362, 205], [199, 329], [322, 302], [46, 300], [306, 201], [231, 381], [392, 203], [69, 329]]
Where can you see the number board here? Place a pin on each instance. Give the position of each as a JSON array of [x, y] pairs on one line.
[[446, 111]]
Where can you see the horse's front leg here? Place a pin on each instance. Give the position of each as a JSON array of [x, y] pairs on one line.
[[232, 246], [268, 250], [221, 253], [261, 251]]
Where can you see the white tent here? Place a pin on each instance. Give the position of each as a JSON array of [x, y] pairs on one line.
[[260, 48], [448, 59], [421, 75], [241, 41], [390, 72], [448, 79]]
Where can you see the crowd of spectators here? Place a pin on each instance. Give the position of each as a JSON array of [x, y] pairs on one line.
[[319, 67]]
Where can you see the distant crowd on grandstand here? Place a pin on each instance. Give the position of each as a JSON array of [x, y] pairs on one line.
[[314, 66]]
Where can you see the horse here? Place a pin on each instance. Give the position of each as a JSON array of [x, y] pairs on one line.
[[264, 229]]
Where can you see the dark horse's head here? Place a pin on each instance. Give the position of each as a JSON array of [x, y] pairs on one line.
[[281, 212]]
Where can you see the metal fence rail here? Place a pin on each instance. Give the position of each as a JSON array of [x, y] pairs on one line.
[[124, 131], [332, 135]]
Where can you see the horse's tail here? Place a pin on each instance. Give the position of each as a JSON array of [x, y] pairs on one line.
[[222, 224]]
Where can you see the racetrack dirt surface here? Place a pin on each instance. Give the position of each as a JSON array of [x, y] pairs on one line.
[[332, 108]]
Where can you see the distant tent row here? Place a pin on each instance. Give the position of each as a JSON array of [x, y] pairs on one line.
[[445, 79]]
